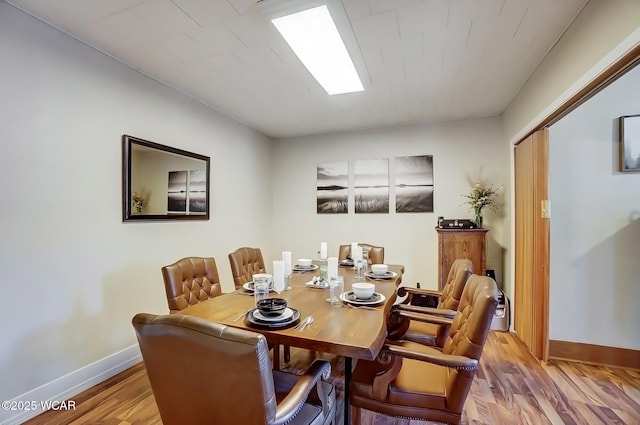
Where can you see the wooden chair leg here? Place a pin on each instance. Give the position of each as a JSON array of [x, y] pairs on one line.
[[355, 415]]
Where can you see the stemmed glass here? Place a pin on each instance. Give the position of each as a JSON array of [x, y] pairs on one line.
[[365, 261], [358, 264], [286, 257], [322, 256]]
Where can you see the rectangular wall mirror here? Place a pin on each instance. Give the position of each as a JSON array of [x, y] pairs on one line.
[[163, 183]]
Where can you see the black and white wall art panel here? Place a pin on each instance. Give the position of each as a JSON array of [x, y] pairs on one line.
[[414, 183], [333, 188], [371, 185]]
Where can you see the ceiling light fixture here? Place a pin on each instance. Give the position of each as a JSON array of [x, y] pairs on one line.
[[313, 36]]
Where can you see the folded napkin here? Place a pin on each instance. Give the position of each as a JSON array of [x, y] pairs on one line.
[[317, 282]]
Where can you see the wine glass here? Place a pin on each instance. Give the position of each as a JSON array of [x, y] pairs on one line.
[[278, 284], [358, 264], [365, 261]]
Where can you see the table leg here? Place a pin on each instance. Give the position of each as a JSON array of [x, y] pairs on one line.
[[276, 357], [348, 365]]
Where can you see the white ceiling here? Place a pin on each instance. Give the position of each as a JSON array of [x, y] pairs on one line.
[[426, 60]]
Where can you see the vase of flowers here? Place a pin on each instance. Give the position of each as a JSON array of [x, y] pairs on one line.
[[137, 202], [481, 196]]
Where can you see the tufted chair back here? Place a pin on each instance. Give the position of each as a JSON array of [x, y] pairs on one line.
[[448, 299], [245, 262], [197, 369], [189, 281], [460, 271], [376, 253], [469, 332]]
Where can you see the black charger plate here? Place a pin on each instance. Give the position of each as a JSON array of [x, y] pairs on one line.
[[254, 322]]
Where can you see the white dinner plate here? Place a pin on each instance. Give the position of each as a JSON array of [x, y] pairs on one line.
[[387, 275], [299, 268], [249, 287], [286, 314], [350, 298]]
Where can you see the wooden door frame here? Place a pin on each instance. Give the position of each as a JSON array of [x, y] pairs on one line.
[[614, 71]]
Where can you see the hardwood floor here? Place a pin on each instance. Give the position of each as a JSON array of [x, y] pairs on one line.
[[511, 387]]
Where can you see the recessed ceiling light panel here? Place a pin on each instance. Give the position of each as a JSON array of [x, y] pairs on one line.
[[314, 37]]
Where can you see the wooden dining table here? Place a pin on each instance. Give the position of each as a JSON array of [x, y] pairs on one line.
[[355, 333]]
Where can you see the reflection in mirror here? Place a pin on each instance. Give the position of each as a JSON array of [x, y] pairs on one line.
[[163, 183]]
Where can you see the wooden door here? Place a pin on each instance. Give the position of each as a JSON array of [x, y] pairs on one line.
[[531, 292]]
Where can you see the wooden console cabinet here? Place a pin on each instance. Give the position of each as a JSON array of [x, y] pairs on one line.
[[461, 243]]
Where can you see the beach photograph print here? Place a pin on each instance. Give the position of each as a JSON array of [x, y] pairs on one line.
[[177, 192], [197, 192], [333, 188], [414, 184], [371, 185]]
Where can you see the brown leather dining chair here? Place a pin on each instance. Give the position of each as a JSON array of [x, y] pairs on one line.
[[245, 262], [426, 383], [189, 281], [202, 372], [446, 304], [376, 253]]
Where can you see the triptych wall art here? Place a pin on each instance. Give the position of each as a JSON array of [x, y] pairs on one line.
[[413, 187]]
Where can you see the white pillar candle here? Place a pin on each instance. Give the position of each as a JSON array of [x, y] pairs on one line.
[[354, 245], [278, 275], [332, 267], [356, 254], [286, 257], [323, 250]]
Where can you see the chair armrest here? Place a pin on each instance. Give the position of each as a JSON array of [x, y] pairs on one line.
[[400, 310], [429, 310], [389, 364], [432, 356], [409, 290], [293, 402]]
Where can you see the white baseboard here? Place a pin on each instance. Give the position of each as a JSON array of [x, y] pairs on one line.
[[65, 387]]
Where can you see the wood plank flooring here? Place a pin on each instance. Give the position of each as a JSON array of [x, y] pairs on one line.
[[511, 387]]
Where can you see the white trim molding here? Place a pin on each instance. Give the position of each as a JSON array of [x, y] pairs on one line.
[[30, 404]]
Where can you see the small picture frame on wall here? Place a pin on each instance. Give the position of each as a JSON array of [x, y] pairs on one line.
[[630, 143]]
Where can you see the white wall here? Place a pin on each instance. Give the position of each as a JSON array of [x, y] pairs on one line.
[[73, 275], [595, 223], [460, 150], [603, 31]]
